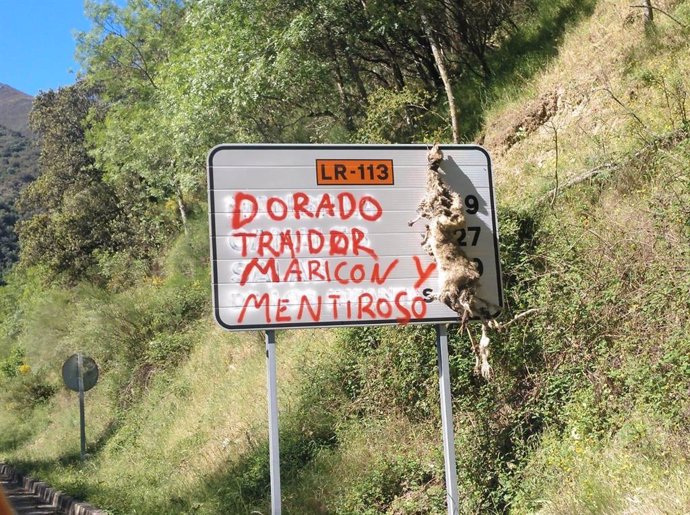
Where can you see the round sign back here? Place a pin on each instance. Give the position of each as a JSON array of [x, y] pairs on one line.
[[70, 372]]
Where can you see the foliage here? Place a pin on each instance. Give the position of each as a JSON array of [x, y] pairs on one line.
[[8, 239], [25, 391], [158, 74], [397, 116], [72, 214], [18, 167], [396, 485], [128, 44], [388, 369], [10, 365], [18, 162], [62, 233]]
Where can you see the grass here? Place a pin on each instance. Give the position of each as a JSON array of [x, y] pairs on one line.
[[614, 97], [188, 425], [527, 49], [612, 267], [641, 468]]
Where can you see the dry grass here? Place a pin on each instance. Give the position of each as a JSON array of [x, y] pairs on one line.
[[642, 470], [610, 95]]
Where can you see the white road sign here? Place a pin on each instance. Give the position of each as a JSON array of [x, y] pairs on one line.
[[318, 235]]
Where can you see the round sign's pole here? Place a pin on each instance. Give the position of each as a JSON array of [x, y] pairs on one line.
[[82, 422], [447, 420], [273, 445]]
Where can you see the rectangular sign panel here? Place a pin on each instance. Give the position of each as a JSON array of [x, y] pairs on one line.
[[352, 171], [318, 235]]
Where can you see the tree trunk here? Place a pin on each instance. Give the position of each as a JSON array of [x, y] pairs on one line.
[[486, 69], [443, 71], [340, 85], [183, 211], [354, 73], [397, 71], [648, 13]]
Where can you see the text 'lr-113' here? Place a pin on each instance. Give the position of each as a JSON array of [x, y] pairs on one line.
[[319, 235]]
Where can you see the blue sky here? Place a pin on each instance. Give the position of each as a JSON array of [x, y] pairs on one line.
[[37, 43]]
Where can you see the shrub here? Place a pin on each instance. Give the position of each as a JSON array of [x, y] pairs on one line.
[[25, 392], [397, 485], [11, 364]]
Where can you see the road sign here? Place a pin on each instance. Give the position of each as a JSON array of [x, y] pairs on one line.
[[318, 235], [80, 374], [70, 373]]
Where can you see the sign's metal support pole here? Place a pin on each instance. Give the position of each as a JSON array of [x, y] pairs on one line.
[[273, 433], [82, 422], [447, 420]]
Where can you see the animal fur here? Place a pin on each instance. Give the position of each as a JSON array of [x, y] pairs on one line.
[[439, 199], [458, 278]]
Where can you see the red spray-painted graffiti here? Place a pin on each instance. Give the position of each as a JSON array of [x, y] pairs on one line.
[[294, 256]]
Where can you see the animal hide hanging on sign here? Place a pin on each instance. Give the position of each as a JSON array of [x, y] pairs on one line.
[[458, 277]]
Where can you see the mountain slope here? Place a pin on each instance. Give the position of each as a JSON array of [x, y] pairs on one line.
[[18, 165], [14, 109], [18, 153]]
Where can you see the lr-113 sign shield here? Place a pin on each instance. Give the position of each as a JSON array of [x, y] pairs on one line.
[[318, 235]]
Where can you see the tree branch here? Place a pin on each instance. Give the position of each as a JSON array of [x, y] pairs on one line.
[[664, 141], [500, 327], [438, 57], [662, 12], [110, 28]]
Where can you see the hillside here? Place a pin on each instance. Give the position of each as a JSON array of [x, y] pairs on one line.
[[14, 109], [584, 108], [18, 166]]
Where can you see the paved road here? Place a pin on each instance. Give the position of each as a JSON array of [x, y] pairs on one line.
[[23, 502]]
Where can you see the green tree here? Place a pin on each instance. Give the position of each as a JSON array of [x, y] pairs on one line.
[[73, 216], [124, 56], [68, 207], [128, 45], [8, 238], [180, 78]]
